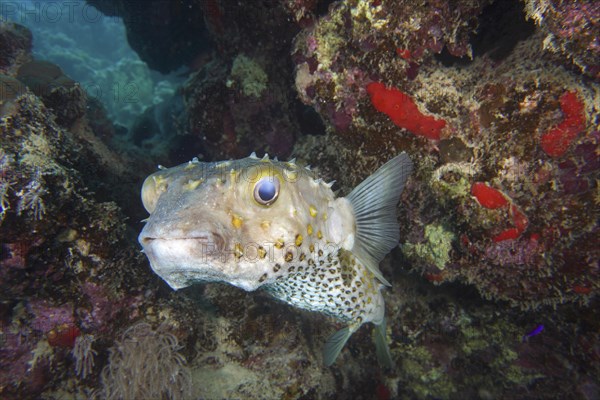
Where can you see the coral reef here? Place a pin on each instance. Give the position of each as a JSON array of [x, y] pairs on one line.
[[58, 92], [491, 123], [240, 99], [361, 42], [15, 46], [56, 234], [571, 29], [145, 364]]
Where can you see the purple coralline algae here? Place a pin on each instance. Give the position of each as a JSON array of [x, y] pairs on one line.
[[572, 30]]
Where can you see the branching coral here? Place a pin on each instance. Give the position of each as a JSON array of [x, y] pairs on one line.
[[146, 364]]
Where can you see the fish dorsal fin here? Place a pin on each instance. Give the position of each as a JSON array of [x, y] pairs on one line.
[[374, 202]]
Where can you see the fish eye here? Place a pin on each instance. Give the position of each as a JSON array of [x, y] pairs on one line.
[[150, 193], [266, 190]]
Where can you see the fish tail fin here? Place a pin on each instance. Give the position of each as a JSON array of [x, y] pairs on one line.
[[374, 202], [382, 349], [334, 345]]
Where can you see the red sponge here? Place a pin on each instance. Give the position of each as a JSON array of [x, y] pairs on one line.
[[556, 141], [403, 111]]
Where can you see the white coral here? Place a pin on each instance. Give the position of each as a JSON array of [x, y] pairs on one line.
[[31, 198]]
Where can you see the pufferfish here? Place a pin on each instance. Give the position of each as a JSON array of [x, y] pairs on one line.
[[266, 224]]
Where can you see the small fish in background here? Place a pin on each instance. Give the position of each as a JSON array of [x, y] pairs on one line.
[[538, 329], [265, 224]]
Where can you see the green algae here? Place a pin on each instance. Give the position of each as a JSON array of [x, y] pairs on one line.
[[250, 75], [453, 180], [436, 247], [427, 380]]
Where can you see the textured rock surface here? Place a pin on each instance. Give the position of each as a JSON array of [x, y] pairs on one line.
[[166, 34], [572, 31]]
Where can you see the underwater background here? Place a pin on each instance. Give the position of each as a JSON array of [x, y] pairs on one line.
[[494, 284]]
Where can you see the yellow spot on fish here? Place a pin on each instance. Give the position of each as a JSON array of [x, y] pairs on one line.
[[279, 244], [265, 225], [311, 248], [319, 234], [290, 176], [312, 210], [299, 240], [159, 181], [324, 216], [192, 184], [238, 251], [262, 253], [236, 221], [289, 257], [309, 229]]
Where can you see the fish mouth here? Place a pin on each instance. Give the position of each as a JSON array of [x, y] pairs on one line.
[[184, 259], [209, 243], [182, 249]]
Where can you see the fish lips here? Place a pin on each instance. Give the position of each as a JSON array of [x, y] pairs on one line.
[[182, 260]]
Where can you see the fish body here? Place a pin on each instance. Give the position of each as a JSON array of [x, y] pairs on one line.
[[265, 224]]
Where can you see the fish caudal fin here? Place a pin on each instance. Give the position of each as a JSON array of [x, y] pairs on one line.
[[381, 346], [374, 202], [335, 344]]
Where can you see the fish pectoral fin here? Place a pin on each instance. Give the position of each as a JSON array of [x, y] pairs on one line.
[[374, 202], [334, 345], [382, 349]]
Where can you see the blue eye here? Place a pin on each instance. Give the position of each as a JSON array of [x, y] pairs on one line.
[[266, 190]]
